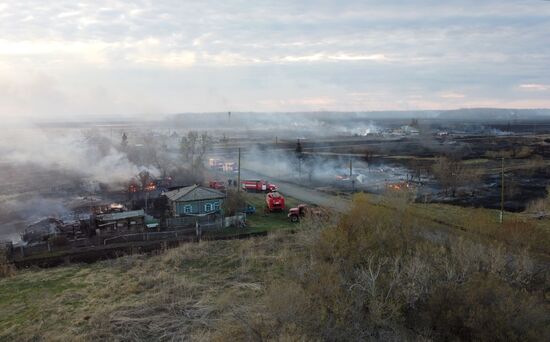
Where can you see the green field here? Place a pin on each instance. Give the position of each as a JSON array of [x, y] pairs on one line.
[[260, 222]]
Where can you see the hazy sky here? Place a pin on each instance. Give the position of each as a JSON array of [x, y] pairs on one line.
[[69, 58]]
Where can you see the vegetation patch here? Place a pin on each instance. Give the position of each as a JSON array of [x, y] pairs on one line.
[[377, 272]]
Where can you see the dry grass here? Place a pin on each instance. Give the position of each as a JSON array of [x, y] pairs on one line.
[[359, 276], [369, 278], [179, 294]]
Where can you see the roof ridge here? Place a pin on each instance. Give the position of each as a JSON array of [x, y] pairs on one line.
[[182, 192]]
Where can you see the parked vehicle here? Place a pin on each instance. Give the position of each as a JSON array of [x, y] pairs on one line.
[[217, 185], [215, 164], [274, 202], [256, 185], [249, 209], [303, 210]]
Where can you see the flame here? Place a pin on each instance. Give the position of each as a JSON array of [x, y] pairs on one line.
[[399, 186], [151, 186]]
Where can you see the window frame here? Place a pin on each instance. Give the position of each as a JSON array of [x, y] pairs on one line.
[[187, 209]]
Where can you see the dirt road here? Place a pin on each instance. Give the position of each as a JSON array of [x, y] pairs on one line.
[[302, 193]]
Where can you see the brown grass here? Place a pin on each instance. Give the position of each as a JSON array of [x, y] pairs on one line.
[[368, 274]]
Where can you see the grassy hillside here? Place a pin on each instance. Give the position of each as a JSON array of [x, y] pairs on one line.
[[180, 292], [369, 274]]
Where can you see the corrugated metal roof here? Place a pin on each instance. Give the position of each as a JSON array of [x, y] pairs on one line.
[[193, 193], [121, 216]]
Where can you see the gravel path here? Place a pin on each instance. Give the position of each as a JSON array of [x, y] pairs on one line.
[[302, 193]]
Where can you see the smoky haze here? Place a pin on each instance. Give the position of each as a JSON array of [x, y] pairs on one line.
[[48, 169]]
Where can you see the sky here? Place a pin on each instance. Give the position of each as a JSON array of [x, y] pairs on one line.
[[77, 60]]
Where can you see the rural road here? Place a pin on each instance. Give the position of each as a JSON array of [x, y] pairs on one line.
[[302, 193]]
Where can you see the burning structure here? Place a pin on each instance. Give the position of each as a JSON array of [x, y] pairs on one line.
[[42, 230], [120, 222]]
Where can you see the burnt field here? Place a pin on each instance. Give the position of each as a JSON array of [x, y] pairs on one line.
[[443, 162]]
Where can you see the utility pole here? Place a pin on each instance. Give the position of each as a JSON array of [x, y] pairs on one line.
[[351, 175], [239, 172], [146, 201], [502, 191]]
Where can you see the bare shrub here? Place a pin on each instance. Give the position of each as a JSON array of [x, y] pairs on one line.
[[452, 173], [368, 277], [7, 269], [465, 258], [496, 260], [235, 201], [485, 308], [376, 284], [519, 232], [541, 206], [416, 279], [522, 268]]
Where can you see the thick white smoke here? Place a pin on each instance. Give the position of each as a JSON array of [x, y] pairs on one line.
[[70, 150]]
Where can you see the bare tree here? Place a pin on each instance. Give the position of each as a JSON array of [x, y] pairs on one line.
[[452, 174], [188, 146], [144, 178], [124, 141], [193, 147], [234, 202]]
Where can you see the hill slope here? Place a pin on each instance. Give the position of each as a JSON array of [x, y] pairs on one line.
[[373, 273]]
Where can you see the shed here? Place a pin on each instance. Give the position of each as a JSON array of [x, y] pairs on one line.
[[121, 222]]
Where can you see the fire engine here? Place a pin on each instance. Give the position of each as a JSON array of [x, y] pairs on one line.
[[216, 185], [274, 202], [215, 164], [258, 185], [303, 210]]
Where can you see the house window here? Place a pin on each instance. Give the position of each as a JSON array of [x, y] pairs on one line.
[[208, 207], [216, 205], [187, 209]]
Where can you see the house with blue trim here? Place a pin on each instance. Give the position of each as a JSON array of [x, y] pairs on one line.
[[195, 205]]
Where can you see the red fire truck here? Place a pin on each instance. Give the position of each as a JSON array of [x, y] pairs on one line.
[[303, 210], [274, 202], [217, 185], [258, 185]]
